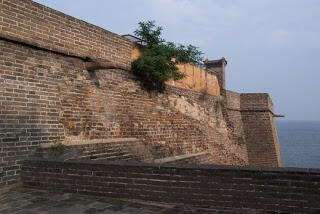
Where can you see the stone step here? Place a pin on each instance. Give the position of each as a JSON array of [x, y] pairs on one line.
[[179, 158], [102, 155], [125, 157]]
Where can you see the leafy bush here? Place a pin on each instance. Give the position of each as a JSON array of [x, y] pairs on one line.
[[158, 62]]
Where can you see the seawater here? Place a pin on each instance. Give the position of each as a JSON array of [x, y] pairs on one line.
[[299, 143]]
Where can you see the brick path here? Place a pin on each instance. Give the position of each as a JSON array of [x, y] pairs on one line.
[[28, 201]]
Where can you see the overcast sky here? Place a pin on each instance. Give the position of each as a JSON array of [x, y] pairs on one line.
[[271, 45]]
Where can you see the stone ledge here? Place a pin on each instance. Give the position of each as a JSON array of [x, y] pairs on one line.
[[176, 158], [89, 142]]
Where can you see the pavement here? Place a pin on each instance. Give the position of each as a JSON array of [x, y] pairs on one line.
[[30, 201]]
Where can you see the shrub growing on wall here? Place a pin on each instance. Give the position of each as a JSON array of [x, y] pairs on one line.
[[158, 62]]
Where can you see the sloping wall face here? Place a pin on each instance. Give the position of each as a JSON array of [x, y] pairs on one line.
[[47, 97], [30, 22], [250, 122], [260, 130], [234, 117]]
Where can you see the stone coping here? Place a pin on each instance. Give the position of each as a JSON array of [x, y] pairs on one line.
[[89, 142]]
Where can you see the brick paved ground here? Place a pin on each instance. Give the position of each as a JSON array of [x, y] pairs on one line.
[[28, 201]]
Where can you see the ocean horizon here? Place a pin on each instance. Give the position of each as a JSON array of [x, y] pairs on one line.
[[299, 143]]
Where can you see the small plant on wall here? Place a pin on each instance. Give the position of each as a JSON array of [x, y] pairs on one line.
[[57, 149], [158, 62]]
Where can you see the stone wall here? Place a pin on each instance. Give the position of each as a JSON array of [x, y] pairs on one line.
[[273, 190], [46, 97]]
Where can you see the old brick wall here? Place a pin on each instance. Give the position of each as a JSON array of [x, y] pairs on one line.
[[33, 23], [46, 97], [269, 190], [260, 130], [233, 116]]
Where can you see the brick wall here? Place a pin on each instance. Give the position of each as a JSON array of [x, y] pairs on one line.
[[260, 131], [271, 190], [33, 23], [29, 105], [234, 118], [46, 97]]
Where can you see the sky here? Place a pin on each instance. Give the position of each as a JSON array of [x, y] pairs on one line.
[[271, 46]]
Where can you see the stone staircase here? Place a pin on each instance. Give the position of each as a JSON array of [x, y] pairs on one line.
[[120, 149], [202, 158]]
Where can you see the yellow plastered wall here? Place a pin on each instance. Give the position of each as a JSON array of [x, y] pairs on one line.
[[197, 79]]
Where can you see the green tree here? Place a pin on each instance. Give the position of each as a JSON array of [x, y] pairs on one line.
[[158, 62]]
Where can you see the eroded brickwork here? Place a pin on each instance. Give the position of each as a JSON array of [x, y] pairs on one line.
[[260, 131], [46, 97]]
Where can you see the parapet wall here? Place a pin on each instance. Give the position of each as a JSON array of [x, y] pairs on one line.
[[33, 23], [254, 190], [196, 79]]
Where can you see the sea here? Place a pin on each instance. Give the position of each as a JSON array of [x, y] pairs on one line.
[[299, 143]]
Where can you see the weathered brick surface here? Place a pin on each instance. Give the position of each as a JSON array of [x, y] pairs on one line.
[[270, 190], [234, 117], [260, 131], [46, 97], [33, 23]]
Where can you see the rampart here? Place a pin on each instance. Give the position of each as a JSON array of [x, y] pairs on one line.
[[47, 94], [47, 97]]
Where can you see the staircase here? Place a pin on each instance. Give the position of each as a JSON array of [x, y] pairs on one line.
[[120, 149]]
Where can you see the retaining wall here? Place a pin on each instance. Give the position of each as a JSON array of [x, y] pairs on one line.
[[46, 97]]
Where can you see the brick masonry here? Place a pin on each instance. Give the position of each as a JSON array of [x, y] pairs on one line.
[[250, 121], [33, 23], [260, 130], [270, 190], [47, 96]]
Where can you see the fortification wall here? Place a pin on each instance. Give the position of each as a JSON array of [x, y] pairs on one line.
[[250, 121], [33, 23], [260, 130], [47, 97], [266, 190], [233, 116]]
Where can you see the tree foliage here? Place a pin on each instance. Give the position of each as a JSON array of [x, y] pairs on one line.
[[158, 62]]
